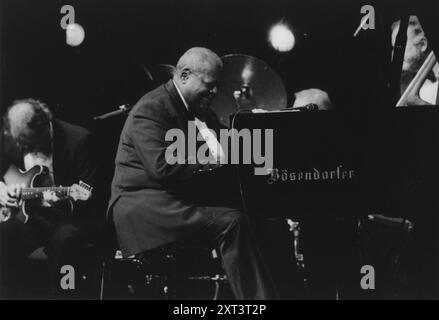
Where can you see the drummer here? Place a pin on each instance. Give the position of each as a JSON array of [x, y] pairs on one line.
[[313, 96]]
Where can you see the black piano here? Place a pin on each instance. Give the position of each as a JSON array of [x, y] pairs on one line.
[[344, 164]]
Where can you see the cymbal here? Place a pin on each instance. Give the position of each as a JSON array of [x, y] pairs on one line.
[[160, 73], [247, 83]]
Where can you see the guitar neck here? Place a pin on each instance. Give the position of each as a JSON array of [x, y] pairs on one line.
[[37, 193]]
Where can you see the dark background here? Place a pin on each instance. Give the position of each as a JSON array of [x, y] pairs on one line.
[[123, 36]]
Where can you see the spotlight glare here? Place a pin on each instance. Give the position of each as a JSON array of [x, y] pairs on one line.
[[282, 38], [75, 34]]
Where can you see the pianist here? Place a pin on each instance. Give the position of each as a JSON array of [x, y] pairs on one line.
[[149, 204]]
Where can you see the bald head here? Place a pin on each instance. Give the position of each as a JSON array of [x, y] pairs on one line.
[[315, 96], [199, 59], [19, 116], [197, 75]]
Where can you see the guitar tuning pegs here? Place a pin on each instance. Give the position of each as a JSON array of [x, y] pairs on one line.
[[85, 186]]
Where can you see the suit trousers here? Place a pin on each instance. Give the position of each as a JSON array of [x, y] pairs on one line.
[[229, 231], [61, 241]]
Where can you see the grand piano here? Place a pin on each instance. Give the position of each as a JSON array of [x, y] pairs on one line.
[[338, 163], [341, 164]]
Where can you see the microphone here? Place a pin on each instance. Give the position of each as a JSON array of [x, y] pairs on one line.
[[123, 109]]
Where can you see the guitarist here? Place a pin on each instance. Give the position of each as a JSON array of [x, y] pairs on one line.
[[31, 136]]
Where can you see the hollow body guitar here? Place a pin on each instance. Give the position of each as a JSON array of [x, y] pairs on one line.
[[38, 183]]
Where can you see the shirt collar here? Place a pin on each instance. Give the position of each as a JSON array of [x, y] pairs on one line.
[[181, 95]]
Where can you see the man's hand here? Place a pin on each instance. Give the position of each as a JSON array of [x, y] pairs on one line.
[[5, 214], [259, 110], [49, 198], [10, 195]]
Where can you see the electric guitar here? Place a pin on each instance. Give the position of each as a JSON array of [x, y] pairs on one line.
[[38, 185]]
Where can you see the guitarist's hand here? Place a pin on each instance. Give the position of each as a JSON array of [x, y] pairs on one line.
[[10, 195], [49, 198]]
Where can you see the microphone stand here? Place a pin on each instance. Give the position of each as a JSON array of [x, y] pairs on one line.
[[122, 110]]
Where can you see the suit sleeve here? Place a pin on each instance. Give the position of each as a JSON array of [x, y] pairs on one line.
[[86, 171], [148, 134], [86, 164], [6, 155], [2, 156]]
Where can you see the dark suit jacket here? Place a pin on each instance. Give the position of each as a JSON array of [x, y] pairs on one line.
[[150, 202], [73, 157]]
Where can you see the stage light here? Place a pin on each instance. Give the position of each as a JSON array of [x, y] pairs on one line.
[[282, 38], [75, 34]]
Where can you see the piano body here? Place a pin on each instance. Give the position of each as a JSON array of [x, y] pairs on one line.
[[345, 164]]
